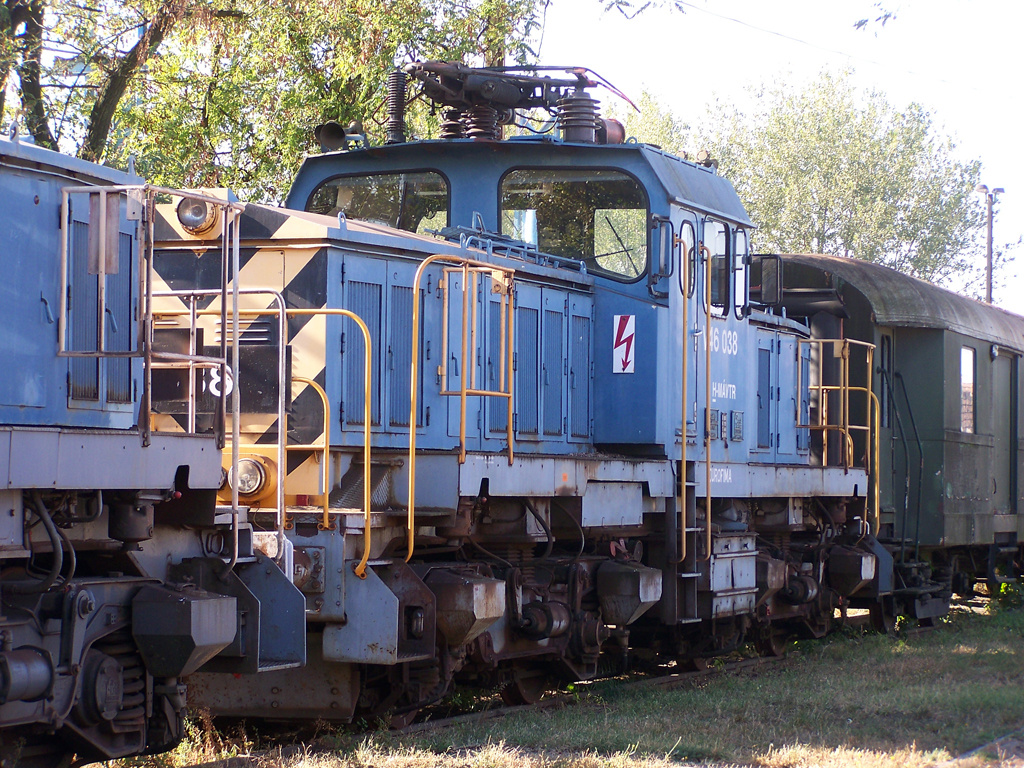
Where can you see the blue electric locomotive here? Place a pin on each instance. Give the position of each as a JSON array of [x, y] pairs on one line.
[[511, 415]]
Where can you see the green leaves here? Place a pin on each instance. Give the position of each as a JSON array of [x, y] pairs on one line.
[[829, 169], [227, 92]]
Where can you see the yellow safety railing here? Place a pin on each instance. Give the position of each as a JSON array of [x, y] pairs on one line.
[[842, 425], [501, 283], [324, 447], [360, 569], [325, 524], [707, 400], [684, 268]]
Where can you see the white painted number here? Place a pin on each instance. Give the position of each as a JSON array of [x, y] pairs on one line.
[[214, 386], [727, 342]]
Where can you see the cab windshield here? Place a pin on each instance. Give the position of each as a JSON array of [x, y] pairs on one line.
[[596, 216], [415, 202]]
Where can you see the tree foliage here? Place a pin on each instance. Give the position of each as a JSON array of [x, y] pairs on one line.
[[828, 169], [227, 92], [652, 123]]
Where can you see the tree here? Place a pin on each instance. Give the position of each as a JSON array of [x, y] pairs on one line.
[[830, 170], [652, 123], [235, 105], [73, 63], [227, 92]]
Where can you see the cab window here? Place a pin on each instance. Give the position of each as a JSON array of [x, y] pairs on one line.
[[740, 278], [688, 254], [596, 216], [716, 240], [415, 202]]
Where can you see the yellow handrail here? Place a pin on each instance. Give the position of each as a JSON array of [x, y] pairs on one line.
[[843, 388], [464, 390], [707, 400], [326, 447], [360, 569], [684, 272]]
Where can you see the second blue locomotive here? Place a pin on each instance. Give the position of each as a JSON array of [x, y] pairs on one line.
[[589, 444]]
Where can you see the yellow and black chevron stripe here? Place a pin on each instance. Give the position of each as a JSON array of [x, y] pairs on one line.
[[284, 252]]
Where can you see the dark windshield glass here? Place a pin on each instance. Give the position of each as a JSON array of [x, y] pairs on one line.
[[414, 202], [597, 216]]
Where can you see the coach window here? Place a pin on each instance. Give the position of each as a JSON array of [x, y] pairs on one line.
[[967, 392], [593, 215], [716, 239], [415, 202], [740, 277]]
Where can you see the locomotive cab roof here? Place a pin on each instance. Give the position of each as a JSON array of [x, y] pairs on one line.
[[476, 172]]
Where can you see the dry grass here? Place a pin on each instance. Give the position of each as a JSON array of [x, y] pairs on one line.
[[864, 701]]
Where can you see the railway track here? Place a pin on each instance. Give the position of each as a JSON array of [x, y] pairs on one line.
[[664, 679]]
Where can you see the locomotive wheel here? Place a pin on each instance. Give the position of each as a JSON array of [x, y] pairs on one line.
[[771, 642], [403, 720], [693, 663], [528, 684], [882, 621]]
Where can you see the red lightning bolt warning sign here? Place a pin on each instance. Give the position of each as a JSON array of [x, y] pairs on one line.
[[623, 355]]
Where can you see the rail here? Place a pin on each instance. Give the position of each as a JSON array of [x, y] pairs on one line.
[[843, 425], [501, 283], [360, 569]]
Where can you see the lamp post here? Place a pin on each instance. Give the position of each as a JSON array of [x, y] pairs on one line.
[[990, 199]]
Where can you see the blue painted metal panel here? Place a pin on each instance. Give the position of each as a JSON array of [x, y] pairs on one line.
[[497, 408], [35, 390], [364, 287], [527, 362], [120, 306], [85, 372], [803, 437], [455, 367], [625, 404], [399, 354], [767, 396], [580, 368], [553, 366], [787, 401], [764, 397]]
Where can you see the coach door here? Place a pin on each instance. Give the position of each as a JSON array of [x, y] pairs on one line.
[[1004, 426]]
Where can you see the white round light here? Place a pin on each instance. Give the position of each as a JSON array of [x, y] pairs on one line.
[[197, 216], [251, 476]]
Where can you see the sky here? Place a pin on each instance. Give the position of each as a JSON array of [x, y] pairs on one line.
[[963, 61]]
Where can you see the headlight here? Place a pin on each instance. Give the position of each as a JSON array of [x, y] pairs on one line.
[[197, 216], [251, 477]]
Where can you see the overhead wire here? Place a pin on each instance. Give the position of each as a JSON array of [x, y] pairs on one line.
[[808, 43]]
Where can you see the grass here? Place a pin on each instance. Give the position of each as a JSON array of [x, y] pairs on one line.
[[858, 700]]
